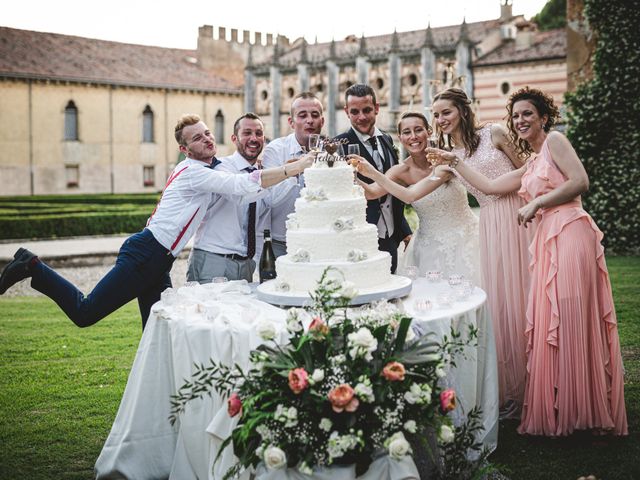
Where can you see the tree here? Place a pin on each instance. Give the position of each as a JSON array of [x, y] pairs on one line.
[[604, 123], [553, 15]]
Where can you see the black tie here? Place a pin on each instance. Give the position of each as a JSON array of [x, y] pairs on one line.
[[374, 146], [251, 227]]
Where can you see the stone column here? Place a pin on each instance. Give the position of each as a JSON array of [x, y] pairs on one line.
[[276, 88], [428, 69], [249, 90], [362, 63], [394, 81], [463, 60], [303, 68], [333, 71]]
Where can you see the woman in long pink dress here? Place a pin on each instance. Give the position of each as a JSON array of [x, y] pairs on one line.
[[574, 366], [504, 254]]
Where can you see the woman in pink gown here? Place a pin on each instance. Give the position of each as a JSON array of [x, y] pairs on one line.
[[574, 366], [504, 254]]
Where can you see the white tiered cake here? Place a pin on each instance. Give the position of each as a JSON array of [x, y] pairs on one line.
[[329, 228]]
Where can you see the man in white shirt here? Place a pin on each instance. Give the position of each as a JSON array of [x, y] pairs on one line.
[[145, 259], [376, 147], [225, 242], [306, 118]]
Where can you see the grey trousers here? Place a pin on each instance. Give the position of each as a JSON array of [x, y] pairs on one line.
[[279, 248], [204, 266]]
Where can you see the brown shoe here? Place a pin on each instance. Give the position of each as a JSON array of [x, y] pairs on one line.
[[17, 269]]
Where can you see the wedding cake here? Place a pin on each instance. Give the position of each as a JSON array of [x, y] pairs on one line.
[[329, 229]]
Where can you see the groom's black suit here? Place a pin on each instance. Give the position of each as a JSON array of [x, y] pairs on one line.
[[400, 226]]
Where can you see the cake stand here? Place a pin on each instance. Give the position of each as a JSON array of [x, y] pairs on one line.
[[396, 287]]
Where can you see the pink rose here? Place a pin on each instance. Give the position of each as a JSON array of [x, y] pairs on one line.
[[298, 380], [447, 400], [393, 371], [343, 398], [234, 405], [318, 326]]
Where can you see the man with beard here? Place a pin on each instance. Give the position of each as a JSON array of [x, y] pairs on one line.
[[306, 118], [225, 242]]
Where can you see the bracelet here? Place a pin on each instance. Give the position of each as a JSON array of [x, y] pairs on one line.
[[284, 170], [454, 162]]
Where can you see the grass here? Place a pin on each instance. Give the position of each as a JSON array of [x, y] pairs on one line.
[[60, 388]]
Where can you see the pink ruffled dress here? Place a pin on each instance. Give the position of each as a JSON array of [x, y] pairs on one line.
[[574, 366], [504, 262]]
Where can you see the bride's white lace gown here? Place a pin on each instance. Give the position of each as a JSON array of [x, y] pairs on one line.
[[447, 238]]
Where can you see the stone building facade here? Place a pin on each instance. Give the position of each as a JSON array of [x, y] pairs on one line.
[[489, 59], [80, 115]]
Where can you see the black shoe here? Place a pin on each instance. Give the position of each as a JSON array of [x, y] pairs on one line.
[[17, 269]]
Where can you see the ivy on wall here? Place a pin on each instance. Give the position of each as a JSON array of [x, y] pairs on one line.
[[604, 123]]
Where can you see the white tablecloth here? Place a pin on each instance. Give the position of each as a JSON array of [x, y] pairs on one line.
[[218, 321]]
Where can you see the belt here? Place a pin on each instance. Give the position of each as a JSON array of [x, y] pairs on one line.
[[232, 256]]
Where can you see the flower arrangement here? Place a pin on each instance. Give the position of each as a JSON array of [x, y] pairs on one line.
[[349, 385]]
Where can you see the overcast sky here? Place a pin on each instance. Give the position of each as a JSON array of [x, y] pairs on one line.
[[175, 23]]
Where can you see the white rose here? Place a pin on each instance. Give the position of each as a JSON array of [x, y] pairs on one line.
[[398, 446], [317, 375], [440, 373], [446, 435], [364, 392], [325, 424], [274, 457], [266, 330], [414, 394], [410, 426], [349, 290], [363, 343]]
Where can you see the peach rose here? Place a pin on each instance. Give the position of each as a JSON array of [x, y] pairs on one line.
[[234, 405], [393, 371], [298, 380], [448, 400], [318, 326], [343, 398]]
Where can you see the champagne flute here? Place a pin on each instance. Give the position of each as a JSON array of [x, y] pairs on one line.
[[315, 143], [353, 150], [432, 158]]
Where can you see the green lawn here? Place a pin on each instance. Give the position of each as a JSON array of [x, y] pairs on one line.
[[60, 388]]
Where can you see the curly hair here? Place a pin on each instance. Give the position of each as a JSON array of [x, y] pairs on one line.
[[468, 124], [184, 121], [544, 105], [417, 115]]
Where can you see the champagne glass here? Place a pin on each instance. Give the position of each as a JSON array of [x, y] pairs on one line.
[[315, 143], [353, 150], [432, 158]]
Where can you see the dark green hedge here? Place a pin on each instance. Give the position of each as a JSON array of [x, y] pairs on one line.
[[604, 123], [73, 215]]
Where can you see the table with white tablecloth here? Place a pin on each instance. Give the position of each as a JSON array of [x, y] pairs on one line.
[[217, 321]]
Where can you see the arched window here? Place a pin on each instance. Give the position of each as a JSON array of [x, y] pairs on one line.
[[71, 121], [219, 130], [147, 125]]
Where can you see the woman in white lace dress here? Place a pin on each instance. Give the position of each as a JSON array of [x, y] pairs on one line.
[[447, 236]]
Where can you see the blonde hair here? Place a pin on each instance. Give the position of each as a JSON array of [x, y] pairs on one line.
[[185, 120]]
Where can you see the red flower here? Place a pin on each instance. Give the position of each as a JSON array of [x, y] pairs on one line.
[[234, 405], [447, 400], [298, 380], [343, 398], [318, 326], [393, 371]]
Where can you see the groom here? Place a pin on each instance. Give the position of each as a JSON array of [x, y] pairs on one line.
[[376, 147]]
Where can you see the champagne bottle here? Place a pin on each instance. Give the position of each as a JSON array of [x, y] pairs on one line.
[[267, 266]]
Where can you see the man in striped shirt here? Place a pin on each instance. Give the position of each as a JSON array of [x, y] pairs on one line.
[[145, 259]]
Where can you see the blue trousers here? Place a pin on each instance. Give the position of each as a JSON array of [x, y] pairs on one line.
[[141, 271]]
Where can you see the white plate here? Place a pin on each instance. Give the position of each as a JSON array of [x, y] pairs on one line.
[[396, 287]]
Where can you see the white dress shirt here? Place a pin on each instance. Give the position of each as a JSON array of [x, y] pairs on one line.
[[186, 197], [385, 223], [283, 195], [224, 227]]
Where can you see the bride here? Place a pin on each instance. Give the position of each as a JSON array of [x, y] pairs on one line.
[[447, 236]]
